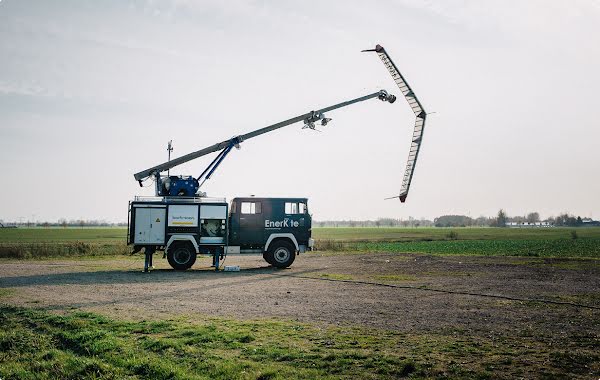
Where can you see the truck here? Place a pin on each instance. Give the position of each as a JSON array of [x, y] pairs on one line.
[[185, 227], [181, 221]]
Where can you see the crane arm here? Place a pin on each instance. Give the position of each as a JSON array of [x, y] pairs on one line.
[[420, 113], [309, 119]]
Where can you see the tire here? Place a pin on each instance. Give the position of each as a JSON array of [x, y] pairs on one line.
[[282, 253], [268, 258], [181, 256]]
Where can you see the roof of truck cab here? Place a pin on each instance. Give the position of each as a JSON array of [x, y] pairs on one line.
[[254, 199]]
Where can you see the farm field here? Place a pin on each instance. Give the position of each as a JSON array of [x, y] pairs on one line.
[[387, 234], [541, 242], [367, 307]]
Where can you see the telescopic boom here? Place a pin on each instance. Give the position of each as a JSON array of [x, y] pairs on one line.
[[308, 118]]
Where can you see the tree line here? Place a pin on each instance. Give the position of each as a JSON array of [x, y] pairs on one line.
[[500, 220]]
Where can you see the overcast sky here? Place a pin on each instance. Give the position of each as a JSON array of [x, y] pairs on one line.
[[91, 91]]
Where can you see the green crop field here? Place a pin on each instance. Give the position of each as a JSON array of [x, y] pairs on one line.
[[434, 233], [542, 242], [25, 243], [63, 235]]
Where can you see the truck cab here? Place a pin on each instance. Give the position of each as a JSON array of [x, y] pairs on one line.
[[275, 227]]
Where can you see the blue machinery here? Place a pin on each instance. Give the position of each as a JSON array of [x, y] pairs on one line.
[[189, 186]]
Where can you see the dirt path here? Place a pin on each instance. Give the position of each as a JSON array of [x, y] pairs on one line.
[[310, 291]]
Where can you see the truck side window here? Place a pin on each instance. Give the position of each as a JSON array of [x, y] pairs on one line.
[[301, 208], [291, 208], [251, 208], [233, 207]]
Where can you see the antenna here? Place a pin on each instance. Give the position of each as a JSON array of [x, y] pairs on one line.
[[169, 150]]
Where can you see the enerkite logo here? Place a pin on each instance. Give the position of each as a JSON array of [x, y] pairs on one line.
[[286, 223]]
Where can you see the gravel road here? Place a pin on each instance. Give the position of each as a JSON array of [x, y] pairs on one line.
[[411, 293]]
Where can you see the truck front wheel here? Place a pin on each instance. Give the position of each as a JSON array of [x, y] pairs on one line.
[[181, 256], [281, 253]]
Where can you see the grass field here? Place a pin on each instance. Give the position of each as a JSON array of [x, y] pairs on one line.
[[541, 242], [39, 345]]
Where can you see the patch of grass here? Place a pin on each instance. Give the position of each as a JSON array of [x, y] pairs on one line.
[[573, 362], [395, 278], [452, 235], [448, 274], [73, 249], [38, 345], [328, 245], [570, 264], [336, 276], [589, 247], [6, 292], [584, 298]]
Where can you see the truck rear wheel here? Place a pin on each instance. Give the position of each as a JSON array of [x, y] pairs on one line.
[[181, 256], [281, 253], [268, 257]]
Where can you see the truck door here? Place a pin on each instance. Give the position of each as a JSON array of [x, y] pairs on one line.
[[149, 225], [251, 222], [298, 220]]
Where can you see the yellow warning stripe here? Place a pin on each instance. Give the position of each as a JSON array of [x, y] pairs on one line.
[[183, 222]]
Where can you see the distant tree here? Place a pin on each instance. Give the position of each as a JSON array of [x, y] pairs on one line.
[[482, 221], [453, 221], [378, 223], [387, 222], [501, 218], [566, 220], [533, 217], [516, 219]]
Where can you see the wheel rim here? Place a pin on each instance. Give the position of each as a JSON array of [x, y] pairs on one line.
[[281, 255], [181, 256]]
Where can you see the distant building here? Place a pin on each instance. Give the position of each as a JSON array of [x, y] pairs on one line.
[[589, 222], [528, 225]]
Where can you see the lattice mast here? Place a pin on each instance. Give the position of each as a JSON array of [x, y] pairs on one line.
[[420, 113]]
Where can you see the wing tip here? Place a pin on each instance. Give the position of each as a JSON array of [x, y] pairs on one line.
[[377, 49], [401, 197]]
